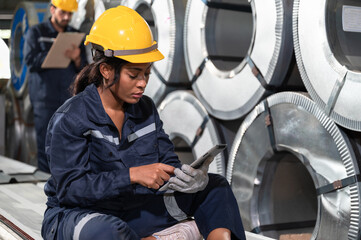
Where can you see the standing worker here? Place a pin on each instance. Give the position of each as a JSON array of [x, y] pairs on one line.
[[49, 88], [108, 153]]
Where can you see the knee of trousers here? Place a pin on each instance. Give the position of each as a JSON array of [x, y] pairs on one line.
[[218, 189], [216, 180], [101, 226]]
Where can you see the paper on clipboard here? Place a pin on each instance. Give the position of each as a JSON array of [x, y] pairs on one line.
[[56, 56]]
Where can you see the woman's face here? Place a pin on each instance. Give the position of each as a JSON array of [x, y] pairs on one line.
[[132, 82]]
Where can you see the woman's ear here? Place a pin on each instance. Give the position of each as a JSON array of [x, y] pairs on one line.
[[106, 71]]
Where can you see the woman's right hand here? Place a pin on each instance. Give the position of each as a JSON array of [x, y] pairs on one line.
[[152, 175]]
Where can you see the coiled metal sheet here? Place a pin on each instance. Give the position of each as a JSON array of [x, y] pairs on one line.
[[165, 17], [284, 151], [26, 15], [236, 57], [327, 37], [20, 138], [20, 142], [184, 118], [13, 124], [88, 11], [28, 135]]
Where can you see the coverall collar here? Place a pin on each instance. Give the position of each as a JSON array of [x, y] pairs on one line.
[[96, 111]]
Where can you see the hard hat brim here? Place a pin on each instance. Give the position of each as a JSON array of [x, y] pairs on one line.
[[151, 56]]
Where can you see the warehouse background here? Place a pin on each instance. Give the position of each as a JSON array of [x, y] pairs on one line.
[[278, 81]]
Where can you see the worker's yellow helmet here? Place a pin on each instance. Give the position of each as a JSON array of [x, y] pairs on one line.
[[66, 5], [123, 33]]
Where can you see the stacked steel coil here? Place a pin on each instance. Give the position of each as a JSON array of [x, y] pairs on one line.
[[191, 128], [284, 162], [276, 80], [298, 171], [166, 21], [327, 46], [236, 52], [26, 15], [20, 134]]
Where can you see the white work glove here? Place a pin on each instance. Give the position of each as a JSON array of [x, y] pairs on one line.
[[188, 179]]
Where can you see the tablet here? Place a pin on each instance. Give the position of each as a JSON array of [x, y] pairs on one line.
[[206, 158]]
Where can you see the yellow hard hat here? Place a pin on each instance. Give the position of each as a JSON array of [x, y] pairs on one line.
[[123, 33], [66, 5]]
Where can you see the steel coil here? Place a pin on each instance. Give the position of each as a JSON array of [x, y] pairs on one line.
[[237, 56], [26, 15], [286, 154], [165, 17], [20, 133], [88, 11], [112, 3], [28, 135], [190, 128], [327, 45], [13, 124], [20, 138]]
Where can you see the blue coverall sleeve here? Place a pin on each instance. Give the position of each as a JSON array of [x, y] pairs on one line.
[[33, 55], [76, 183]]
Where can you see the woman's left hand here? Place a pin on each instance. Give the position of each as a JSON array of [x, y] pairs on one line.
[[188, 179]]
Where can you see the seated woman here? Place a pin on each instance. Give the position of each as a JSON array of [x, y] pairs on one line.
[[108, 153]]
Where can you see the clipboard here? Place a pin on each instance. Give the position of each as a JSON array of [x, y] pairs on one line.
[[208, 156], [56, 56]]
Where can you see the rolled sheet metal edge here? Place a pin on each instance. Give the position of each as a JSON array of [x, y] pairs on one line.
[[188, 97], [342, 120], [302, 99], [281, 58], [168, 75], [34, 13]]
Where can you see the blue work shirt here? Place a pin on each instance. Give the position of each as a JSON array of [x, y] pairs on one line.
[[49, 87], [89, 161]]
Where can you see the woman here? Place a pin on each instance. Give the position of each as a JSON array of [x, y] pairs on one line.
[[108, 154]]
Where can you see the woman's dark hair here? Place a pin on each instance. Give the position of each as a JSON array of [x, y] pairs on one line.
[[91, 73]]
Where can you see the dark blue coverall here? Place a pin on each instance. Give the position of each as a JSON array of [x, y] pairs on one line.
[[90, 195], [48, 88]]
